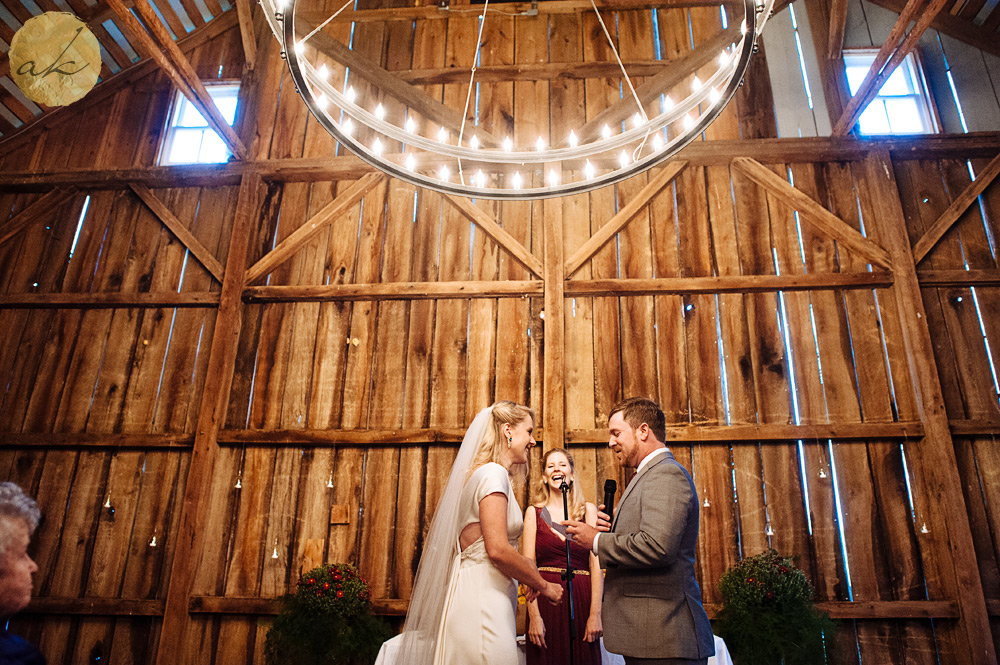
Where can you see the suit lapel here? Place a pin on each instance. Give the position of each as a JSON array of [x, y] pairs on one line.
[[635, 479]]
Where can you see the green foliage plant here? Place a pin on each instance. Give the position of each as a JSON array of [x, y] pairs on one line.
[[768, 616], [327, 621]]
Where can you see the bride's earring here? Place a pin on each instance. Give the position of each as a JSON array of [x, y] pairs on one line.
[[509, 439]]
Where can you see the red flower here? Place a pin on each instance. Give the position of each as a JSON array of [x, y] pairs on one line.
[[326, 585], [336, 576], [311, 581], [340, 594], [750, 580]]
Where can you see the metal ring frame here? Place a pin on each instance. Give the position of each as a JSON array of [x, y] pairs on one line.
[[310, 85]]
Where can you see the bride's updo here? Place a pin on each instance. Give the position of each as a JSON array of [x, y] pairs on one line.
[[493, 447]]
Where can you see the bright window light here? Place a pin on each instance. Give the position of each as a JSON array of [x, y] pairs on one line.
[[902, 106], [189, 139]]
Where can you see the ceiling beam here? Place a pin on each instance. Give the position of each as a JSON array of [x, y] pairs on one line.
[[496, 233], [838, 24], [35, 212], [892, 51], [168, 56], [982, 36], [244, 10]]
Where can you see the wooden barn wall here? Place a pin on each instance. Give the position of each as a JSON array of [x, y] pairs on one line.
[[118, 397]]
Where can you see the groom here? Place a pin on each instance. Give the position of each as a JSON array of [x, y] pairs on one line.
[[652, 610]]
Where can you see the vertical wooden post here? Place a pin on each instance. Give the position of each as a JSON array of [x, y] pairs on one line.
[[554, 367], [221, 365], [950, 567]]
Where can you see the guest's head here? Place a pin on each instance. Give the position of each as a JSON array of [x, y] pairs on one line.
[[19, 517], [637, 427], [558, 466], [508, 437]]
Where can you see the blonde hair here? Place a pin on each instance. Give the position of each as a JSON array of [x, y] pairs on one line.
[[492, 448], [540, 492]]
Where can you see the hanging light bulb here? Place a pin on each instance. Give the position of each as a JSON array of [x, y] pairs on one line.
[[300, 47], [516, 180], [443, 135], [410, 125], [411, 162], [588, 170], [714, 96], [666, 103], [657, 141], [474, 142], [572, 140], [688, 121], [723, 59], [377, 147], [322, 101], [623, 159], [637, 119], [380, 112], [350, 94], [480, 178], [347, 127], [324, 73], [444, 173], [553, 178], [696, 84], [540, 144], [508, 145], [605, 132]]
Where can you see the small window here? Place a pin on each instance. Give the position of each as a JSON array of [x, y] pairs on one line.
[[189, 139], [903, 105]]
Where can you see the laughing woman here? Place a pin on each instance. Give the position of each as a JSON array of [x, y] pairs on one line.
[[545, 541]]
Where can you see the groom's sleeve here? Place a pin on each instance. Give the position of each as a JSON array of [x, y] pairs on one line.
[[664, 501]]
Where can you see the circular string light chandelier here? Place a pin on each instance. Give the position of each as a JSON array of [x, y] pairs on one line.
[[399, 129]]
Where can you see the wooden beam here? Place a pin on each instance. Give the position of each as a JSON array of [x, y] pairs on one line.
[[982, 36], [956, 210], [169, 57], [812, 212], [768, 433], [35, 212], [301, 235], [496, 233], [534, 71], [876, 609], [838, 23], [211, 414], [271, 606], [727, 284], [395, 291], [967, 428], [348, 167], [89, 440], [672, 73], [113, 607], [163, 213], [946, 278], [107, 300], [623, 216], [387, 82], [244, 11], [735, 434], [553, 416], [880, 70], [946, 550]]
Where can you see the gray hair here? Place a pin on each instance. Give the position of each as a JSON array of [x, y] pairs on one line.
[[15, 504]]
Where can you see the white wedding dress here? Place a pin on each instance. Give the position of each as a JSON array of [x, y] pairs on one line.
[[478, 622]]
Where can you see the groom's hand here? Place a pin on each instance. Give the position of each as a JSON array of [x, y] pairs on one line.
[[603, 519], [582, 532]]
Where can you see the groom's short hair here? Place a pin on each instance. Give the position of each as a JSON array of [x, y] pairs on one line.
[[638, 410]]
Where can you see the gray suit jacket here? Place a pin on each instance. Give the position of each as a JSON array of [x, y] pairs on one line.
[[652, 602]]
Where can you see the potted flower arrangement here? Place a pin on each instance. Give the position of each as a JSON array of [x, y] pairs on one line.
[[327, 621], [768, 616]]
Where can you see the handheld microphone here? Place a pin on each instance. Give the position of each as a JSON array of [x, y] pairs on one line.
[[610, 487]]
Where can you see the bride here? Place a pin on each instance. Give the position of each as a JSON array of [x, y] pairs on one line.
[[464, 594]]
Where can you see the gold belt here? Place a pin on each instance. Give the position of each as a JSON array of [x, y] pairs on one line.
[[550, 569]]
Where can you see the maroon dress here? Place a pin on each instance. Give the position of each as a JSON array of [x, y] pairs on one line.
[[550, 552]]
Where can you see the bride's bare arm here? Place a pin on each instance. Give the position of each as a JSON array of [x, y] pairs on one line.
[[493, 521]]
